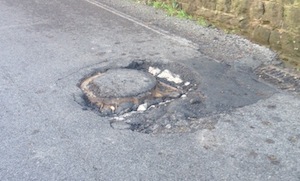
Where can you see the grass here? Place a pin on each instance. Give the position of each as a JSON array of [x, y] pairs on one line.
[[202, 22], [183, 15], [173, 9]]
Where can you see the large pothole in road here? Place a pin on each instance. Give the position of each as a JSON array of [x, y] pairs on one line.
[[146, 97], [169, 97], [133, 88]]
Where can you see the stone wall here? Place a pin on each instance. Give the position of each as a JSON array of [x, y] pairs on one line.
[[275, 23]]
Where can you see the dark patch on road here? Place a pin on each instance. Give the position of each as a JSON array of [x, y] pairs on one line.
[[201, 89]]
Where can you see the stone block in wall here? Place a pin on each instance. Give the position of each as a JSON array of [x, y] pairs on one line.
[[275, 40], [239, 7], [207, 13], [290, 44], [292, 18], [227, 20], [261, 34], [209, 4], [273, 14], [244, 23], [291, 2], [186, 7], [256, 10], [223, 5], [190, 6]]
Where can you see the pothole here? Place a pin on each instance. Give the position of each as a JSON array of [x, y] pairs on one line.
[[169, 97], [146, 97], [136, 87]]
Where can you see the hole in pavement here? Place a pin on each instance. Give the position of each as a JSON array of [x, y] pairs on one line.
[[137, 87], [155, 97], [145, 97]]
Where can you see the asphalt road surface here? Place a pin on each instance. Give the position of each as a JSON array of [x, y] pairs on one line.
[[249, 129]]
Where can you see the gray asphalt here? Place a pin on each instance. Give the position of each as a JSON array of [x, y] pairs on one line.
[[47, 47]]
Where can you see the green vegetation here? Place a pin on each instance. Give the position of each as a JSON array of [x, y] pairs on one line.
[[182, 14], [174, 9], [202, 22]]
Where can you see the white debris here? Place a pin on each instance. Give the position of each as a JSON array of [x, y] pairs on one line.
[[168, 126], [170, 76], [154, 71], [183, 96], [187, 83], [142, 107], [119, 118], [112, 108], [153, 106]]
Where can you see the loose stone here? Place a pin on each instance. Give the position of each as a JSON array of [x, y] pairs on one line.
[[154, 71], [166, 74], [142, 107]]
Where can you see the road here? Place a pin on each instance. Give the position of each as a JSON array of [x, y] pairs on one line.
[[250, 129]]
